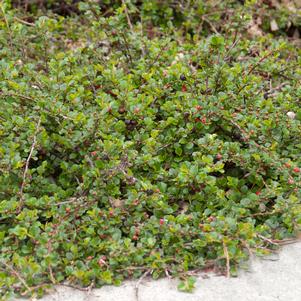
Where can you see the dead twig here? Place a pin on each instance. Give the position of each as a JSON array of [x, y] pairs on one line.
[[71, 200], [287, 241], [268, 240], [24, 22], [138, 283], [226, 253]]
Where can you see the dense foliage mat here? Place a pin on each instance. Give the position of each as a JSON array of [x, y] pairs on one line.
[[131, 145]]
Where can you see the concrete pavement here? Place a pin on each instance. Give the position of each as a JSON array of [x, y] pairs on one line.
[[275, 279]]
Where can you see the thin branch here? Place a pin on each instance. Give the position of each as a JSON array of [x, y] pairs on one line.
[[24, 97], [246, 137], [261, 60], [226, 253], [246, 245], [288, 241], [268, 240], [28, 161], [127, 15], [266, 213], [131, 268], [83, 289], [16, 273], [51, 274], [210, 24], [72, 200], [127, 50], [34, 288], [138, 283], [24, 22]]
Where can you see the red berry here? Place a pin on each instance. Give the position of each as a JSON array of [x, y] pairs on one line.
[[291, 181], [204, 120], [121, 109], [198, 108], [258, 192], [135, 237], [184, 88], [296, 169], [94, 153], [219, 156], [102, 261], [161, 221]]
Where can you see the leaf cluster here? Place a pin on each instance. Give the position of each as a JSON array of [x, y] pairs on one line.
[[127, 149]]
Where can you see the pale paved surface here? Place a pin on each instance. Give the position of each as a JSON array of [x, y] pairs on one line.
[[266, 280]]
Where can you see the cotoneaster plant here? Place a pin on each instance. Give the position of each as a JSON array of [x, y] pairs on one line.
[[125, 153]]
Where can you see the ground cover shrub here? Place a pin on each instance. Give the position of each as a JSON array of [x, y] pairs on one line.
[[279, 17], [128, 150]]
